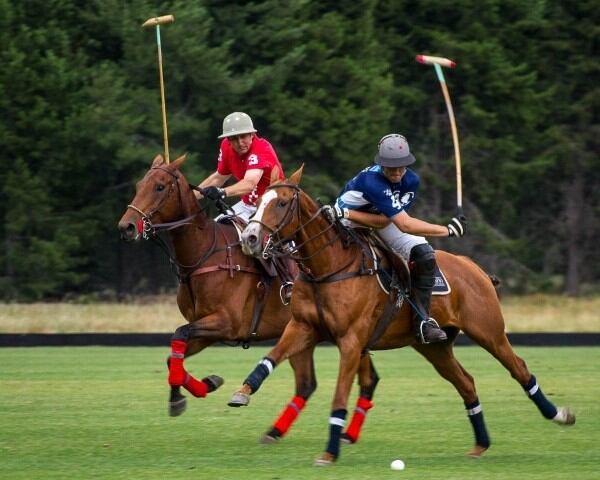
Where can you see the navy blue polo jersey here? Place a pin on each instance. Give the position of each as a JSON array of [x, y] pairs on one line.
[[370, 191]]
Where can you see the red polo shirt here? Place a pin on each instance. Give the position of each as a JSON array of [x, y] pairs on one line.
[[261, 155]]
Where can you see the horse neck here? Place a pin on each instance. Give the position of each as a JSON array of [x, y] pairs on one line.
[[320, 244], [192, 241]]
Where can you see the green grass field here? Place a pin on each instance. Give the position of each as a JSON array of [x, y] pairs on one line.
[[83, 413]]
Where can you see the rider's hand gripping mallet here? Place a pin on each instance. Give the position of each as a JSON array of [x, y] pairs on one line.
[[438, 63], [157, 22]]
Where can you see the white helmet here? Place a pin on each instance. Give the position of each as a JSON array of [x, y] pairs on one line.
[[237, 123]]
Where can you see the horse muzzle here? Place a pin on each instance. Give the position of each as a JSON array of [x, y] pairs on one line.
[[129, 231], [251, 244]]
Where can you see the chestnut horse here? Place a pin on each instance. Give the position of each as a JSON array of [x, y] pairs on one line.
[[222, 293], [335, 300]]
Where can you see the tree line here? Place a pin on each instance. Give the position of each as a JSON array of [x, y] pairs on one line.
[[323, 82]]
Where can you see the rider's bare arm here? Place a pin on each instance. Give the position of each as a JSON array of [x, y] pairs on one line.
[[246, 184], [414, 226], [372, 220]]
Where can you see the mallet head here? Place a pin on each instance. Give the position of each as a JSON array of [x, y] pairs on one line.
[[152, 22], [442, 62]]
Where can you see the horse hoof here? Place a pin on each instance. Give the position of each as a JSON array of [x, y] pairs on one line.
[[239, 399], [565, 416], [477, 451], [267, 439], [324, 460], [177, 407], [213, 382], [346, 439]]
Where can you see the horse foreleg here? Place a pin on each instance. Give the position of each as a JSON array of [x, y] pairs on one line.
[[441, 356], [183, 346], [349, 361], [297, 337], [306, 383], [367, 379]]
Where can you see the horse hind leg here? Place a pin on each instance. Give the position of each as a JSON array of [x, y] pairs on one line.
[[441, 356], [367, 380], [502, 350], [306, 383]]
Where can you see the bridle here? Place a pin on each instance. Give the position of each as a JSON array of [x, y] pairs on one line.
[[276, 243], [147, 228], [150, 230]]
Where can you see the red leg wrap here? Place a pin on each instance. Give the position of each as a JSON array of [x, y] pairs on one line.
[[196, 387], [363, 405], [289, 414], [176, 371]]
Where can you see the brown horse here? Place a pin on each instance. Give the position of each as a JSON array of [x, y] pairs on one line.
[[223, 294], [336, 299]]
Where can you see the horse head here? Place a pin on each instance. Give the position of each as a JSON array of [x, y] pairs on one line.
[[162, 195]]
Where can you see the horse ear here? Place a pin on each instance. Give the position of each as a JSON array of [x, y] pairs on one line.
[[177, 163], [296, 176], [158, 160]]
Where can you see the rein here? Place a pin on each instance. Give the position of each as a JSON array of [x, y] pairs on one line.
[[294, 211], [276, 242]]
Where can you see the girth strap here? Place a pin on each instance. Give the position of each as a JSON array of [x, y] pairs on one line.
[[392, 306], [259, 306]]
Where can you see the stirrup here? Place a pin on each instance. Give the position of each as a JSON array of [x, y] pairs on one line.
[[432, 322], [285, 292]]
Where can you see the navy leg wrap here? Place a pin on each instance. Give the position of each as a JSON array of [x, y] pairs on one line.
[[545, 406], [336, 425], [475, 414], [258, 375]]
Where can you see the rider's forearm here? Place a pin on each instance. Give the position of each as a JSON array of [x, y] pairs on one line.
[[372, 220], [414, 226], [240, 188]]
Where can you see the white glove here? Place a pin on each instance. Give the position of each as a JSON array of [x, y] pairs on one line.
[[333, 213], [457, 226]]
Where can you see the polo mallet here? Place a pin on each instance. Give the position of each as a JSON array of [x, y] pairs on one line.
[[157, 22], [438, 63]]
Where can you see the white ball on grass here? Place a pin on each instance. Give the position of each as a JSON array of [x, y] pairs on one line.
[[397, 465]]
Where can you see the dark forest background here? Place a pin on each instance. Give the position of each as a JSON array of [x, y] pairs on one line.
[[80, 123]]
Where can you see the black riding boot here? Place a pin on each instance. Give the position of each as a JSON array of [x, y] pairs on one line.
[[423, 278]]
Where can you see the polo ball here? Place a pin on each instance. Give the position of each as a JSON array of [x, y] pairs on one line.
[[397, 465]]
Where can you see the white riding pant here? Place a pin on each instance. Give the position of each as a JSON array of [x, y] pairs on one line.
[[400, 242], [241, 209]]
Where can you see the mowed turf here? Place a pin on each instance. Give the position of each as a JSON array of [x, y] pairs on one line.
[[95, 412]]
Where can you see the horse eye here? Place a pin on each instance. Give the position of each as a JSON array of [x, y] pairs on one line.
[[282, 203], [160, 187]]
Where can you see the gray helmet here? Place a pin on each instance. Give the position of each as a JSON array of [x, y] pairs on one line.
[[393, 151], [237, 123]]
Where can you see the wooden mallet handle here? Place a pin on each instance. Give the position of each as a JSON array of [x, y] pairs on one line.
[[152, 22]]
